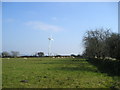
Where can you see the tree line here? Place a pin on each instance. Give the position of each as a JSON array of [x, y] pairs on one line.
[[13, 54], [5, 54], [101, 43]]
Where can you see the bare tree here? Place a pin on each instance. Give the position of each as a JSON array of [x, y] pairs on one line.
[[5, 54], [40, 54], [95, 43], [14, 53]]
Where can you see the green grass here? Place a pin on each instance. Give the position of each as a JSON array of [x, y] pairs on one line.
[[53, 73]]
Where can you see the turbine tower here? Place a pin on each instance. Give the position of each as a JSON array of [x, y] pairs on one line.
[[49, 47]]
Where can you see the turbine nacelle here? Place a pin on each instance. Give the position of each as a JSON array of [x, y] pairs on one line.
[[49, 47], [50, 39]]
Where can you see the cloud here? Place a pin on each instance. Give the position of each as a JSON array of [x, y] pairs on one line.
[[43, 26]]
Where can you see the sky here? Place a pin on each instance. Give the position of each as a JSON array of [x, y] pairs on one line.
[[119, 17], [0, 27], [26, 26], [60, 0]]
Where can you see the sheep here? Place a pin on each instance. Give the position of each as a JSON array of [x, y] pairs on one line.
[[25, 58]]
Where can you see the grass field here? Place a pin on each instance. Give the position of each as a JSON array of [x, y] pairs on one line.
[[53, 73]]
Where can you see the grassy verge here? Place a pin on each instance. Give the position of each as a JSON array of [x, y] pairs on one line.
[[110, 67]]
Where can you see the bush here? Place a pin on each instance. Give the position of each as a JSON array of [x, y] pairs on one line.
[[107, 66]]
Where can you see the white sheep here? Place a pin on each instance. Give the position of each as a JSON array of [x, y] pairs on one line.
[[25, 58]]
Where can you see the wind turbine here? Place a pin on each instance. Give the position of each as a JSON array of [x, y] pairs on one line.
[[49, 47]]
